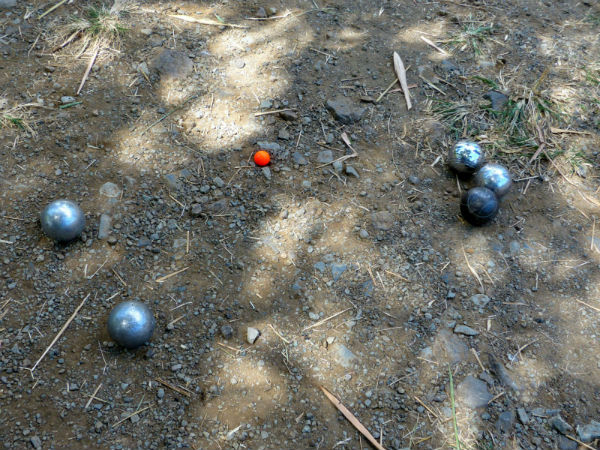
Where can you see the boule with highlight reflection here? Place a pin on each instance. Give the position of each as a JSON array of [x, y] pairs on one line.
[[131, 324], [479, 206], [495, 177], [62, 220], [466, 157]]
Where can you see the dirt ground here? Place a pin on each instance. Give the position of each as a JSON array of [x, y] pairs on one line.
[[354, 265]]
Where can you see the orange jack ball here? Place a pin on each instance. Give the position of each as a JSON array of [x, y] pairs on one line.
[[262, 158]]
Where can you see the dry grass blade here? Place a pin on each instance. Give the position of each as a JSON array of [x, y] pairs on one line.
[[321, 322], [205, 21], [41, 16], [173, 387], [401, 73], [475, 274], [353, 420], [166, 277], [428, 42]]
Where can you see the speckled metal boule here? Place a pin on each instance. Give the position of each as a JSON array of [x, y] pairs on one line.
[[62, 220], [131, 324], [494, 177], [466, 157], [479, 206]]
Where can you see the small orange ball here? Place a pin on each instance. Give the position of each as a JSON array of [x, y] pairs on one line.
[[262, 158]]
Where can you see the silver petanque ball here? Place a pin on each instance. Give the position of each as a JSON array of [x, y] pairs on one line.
[[131, 324], [466, 157], [495, 177], [62, 220]]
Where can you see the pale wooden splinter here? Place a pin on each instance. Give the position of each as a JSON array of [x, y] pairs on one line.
[[401, 73]]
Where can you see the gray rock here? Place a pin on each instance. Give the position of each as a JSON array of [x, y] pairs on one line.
[[337, 270], [267, 145], [65, 99], [559, 424], [565, 443], [176, 367], [589, 432], [105, 226], [382, 220], [172, 181], [36, 442], [338, 166], [288, 115], [523, 417], [284, 134], [299, 159], [306, 184], [266, 104], [412, 179], [473, 393], [505, 422], [501, 373], [350, 170], [227, 331], [196, 210], [5, 4], [160, 393], [111, 190], [251, 335], [344, 111], [343, 355], [313, 316], [325, 157], [364, 234], [449, 347], [218, 182], [266, 172], [514, 248], [173, 65], [320, 266], [467, 331], [480, 300], [498, 100]]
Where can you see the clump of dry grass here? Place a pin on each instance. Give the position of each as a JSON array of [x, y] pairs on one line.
[[98, 29], [16, 117]]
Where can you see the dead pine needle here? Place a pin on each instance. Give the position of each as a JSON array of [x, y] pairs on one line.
[[426, 407], [173, 387], [41, 16], [205, 21], [472, 270], [166, 277], [93, 396], [130, 416], [321, 322], [62, 330], [352, 418]]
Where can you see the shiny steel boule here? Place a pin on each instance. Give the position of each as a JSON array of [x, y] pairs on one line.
[[62, 220], [466, 157], [479, 205], [131, 324], [494, 177]]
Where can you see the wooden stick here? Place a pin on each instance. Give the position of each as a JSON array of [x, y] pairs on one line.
[[275, 111], [88, 69], [321, 322], [280, 336], [401, 73], [353, 420], [41, 16], [166, 277], [472, 270], [478, 360], [206, 21], [431, 85], [496, 397], [173, 387], [92, 396], [62, 330]]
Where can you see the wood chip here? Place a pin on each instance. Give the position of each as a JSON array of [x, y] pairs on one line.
[[401, 73]]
